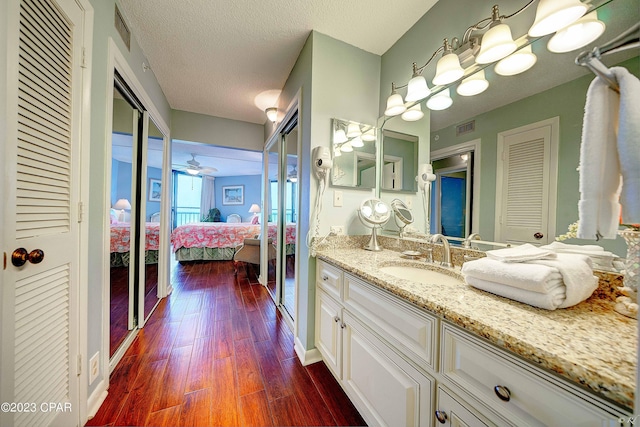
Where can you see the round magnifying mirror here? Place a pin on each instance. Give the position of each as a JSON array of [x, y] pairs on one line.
[[402, 214], [374, 213]]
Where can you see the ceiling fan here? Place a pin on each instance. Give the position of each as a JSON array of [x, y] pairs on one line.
[[193, 167]]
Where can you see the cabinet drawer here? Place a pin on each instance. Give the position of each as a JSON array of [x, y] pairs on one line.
[[451, 411], [329, 278], [529, 395], [411, 330]]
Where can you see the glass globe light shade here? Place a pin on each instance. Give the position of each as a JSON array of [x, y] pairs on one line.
[[517, 62], [395, 105], [579, 34], [346, 147], [552, 15], [353, 130], [412, 114], [473, 85], [496, 44], [448, 70], [369, 135], [417, 89], [357, 142], [440, 101], [339, 136]]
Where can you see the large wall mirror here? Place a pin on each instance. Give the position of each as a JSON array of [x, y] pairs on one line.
[[354, 154], [554, 87]]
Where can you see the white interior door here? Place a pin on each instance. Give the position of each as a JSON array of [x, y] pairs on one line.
[[527, 183], [41, 203]]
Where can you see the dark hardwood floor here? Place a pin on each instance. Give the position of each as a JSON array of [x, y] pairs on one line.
[[218, 353]]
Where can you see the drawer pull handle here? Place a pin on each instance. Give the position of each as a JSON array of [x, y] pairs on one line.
[[502, 392], [441, 416], [336, 319], [325, 277]]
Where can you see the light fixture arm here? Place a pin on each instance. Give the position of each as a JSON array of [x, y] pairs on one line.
[[493, 20], [445, 46]]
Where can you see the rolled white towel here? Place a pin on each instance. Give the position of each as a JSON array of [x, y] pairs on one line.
[[549, 300], [577, 275], [530, 277], [520, 253]]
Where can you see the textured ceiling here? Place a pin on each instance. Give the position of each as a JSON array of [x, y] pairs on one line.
[[214, 57]]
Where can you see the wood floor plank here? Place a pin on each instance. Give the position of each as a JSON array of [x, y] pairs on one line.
[[141, 397], [224, 339], [256, 326], [174, 379], [196, 409], [225, 401], [241, 329], [188, 330], [274, 380], [255, 410], [165, 417], [286, 412], [247, 367], [201, 367]]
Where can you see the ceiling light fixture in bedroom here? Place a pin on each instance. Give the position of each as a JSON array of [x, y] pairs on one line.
[[272, 114]]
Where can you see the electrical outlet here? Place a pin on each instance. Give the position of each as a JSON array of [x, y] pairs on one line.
[[337, 230], [94, 367], [337, 198]]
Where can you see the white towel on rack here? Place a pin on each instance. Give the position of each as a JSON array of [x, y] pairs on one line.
[[608, 153]]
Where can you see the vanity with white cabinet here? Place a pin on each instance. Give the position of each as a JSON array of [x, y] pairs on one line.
[[430, 354]]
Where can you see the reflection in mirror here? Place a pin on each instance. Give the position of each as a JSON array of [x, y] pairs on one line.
[[399, 161], [354, 154], [374, 213]]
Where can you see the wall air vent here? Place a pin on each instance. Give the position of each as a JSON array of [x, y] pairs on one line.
[[122, 28], [466, 128]]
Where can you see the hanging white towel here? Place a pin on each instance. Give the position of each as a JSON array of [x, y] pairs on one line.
[[609, 156]]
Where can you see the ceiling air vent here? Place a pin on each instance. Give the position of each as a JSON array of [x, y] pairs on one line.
[[466, 128], [122, 28]]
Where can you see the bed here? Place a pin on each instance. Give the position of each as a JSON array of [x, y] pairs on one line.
[[217, 241], [120, 243]]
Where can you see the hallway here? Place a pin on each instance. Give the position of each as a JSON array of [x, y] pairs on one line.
[[218, 353]]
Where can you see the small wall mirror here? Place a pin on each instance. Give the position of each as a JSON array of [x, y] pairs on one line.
[[399, 161], [402, 214], [354, 154]]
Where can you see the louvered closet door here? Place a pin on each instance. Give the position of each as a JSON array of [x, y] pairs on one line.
[[524, 210], [40, 300]]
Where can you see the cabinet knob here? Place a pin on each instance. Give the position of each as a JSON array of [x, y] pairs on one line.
[[502, 392], [441, 416], [343, 325], [20, 256], [336, 319]]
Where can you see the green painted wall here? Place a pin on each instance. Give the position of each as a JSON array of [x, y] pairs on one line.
[[565, 101]]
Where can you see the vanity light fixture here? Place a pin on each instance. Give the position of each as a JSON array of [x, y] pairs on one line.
[[417, 88], [579, 34], [272, 114], [516, 63], [346, 147], [473, 85], [440, 101], [353, 130], [497, 42], [369, 135], [413, 114], [448, 68], [395, 104], [357, 142], [552, 15]]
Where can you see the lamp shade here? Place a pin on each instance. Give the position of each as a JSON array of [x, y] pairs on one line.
[[473, 85], [517, 62], [122, 204], [552, 15], [417, 89], [395, 105], [369, 135], [448, 70], [412, 114], [272, 114], [579, 34], [357, 142], [353, 130], [346, 147], [339, 136], [255, 208], [440, 101], [496, 44]]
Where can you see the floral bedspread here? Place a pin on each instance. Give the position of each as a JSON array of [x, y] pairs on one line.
[[121, 236], [222, 234]]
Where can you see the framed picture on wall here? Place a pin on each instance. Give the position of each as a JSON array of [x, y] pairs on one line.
[[155, 190], [233, 195]]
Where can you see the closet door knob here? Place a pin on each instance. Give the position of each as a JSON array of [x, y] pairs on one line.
[[538, 235], [441, 416], [502, 392], [20, 256]]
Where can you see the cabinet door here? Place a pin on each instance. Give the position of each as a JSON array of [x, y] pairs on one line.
[[451, 412], [328, 331], [386, 389]]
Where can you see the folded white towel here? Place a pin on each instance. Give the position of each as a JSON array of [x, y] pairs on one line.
[[520, 253], [530, 277], [577, 275], [559, 247], [605, 158], [549, 300]]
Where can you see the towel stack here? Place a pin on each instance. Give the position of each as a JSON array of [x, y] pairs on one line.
[[600, 258], [535, 276]]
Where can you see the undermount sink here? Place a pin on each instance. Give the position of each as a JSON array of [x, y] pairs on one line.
[[427, 274]]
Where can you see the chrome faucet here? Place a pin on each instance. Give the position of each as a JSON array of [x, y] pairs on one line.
[[472, 236], [446, 256]]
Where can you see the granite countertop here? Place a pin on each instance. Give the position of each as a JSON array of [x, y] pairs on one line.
[[588, 344]]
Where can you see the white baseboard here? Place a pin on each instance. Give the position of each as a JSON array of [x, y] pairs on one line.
[[306, 357], [96, 399]]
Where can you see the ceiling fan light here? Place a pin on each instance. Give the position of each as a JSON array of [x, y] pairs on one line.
[[369, 135], [552, 15], [395, 105], [448, 70], [440, 101], [413, 114], [353, 130], [339, 136], [579, 34], [516, 63], [357, 142], [192, 171], [473, 85], [417, 89], [496, 44]]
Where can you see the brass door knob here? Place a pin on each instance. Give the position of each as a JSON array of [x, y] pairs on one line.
[[20, 256], [538, 236]]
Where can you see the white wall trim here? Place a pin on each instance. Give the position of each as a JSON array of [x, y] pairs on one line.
[[96, 400], [306, 357]]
